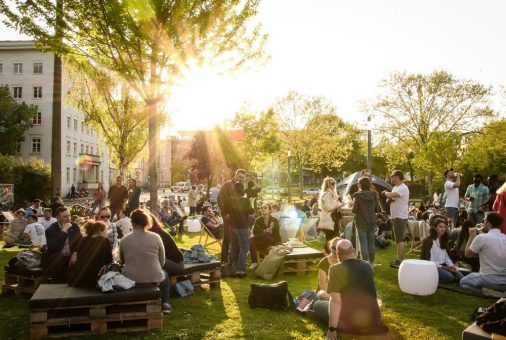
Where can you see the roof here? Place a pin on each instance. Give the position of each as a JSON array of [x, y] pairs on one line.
[[14, 45]]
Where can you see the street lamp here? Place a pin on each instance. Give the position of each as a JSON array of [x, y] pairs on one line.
[[289, 179], [369, 143]]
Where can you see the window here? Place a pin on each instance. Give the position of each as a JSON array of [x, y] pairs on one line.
[[86, 149], [37, 92], [82, 127], [68, 122], [68, 150], [74, 175], [18, 92], [36, 145], [75, 149], [75, 124], [82, 148], [68, 174], [101, 175], [18, 68], [91, 151], [37, 120], [18, 146], [37, 68], [1, 68]]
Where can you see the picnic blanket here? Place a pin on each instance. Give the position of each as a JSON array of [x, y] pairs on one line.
[[456, 288]]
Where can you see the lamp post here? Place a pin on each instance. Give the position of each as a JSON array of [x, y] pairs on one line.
[[288, 178], [369, 143]]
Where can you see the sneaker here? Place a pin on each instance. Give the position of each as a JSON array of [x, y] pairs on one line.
[[395, 264], [166, 308], [493, 293], [253, 265]]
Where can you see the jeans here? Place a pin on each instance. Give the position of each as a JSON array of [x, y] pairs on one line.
[[446, 276], [367, 243], [321, 310], [453, 214], [260, 242], [476, 217], [193, 210], [474, 282], [225, 245], [240, 247], [165, 288]]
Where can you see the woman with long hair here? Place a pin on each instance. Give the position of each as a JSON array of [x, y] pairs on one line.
[[329, 203], [365, 206], [434, 249], [500, 205], [324, 266], [265, 234], [94, 252], [174, 261]]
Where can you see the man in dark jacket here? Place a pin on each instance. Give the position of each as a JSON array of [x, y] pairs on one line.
[[365, 206], [225, 197], [63, 239], [118, 194]]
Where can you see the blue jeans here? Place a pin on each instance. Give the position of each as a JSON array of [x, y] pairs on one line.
[[474, 282], [165, 288], [367, 243], [239, 248], [446, 276], [453, 213]]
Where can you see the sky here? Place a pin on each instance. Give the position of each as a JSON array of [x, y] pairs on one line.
[[343, 49]]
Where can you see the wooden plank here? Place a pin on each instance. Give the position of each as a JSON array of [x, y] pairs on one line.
[[38, 331], [98, 326], [38, 317]]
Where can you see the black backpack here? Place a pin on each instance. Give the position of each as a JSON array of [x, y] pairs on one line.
[[275, 296]]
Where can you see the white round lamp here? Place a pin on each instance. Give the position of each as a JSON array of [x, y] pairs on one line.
[[418, 277], [193, 225]]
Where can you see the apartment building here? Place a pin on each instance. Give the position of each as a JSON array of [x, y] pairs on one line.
[[29, 75]]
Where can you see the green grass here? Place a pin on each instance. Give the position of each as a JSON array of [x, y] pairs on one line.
[[225, 313]]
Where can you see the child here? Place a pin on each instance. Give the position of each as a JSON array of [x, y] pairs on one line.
[[34, 231]]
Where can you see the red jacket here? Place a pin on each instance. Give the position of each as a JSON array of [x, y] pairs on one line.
[[500, 207]]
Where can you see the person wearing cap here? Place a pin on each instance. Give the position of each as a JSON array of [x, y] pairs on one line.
[[34, 231], [353, 306], [451, 187], [14, 234]]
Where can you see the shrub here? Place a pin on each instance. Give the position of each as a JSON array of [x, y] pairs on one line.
[[31, 178]]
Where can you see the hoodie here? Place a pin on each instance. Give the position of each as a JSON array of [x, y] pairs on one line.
[[365, 206]]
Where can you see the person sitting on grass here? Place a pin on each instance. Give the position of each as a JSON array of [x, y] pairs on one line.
[[14, 234], [94, 252], [491, 249], [47, 219], [143, 255], [265, 234], [324, 267], [62, 239], [34, 231], [212, 223], [124, 224], [353, 306], [434, 249], [174, 261]]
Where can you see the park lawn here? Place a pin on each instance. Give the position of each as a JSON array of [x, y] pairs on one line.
[[226, 314]]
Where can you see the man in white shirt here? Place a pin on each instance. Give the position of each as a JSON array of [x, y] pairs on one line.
[[34, 232], [124, 223], [48, 218], [452, 185], [37, 207], [491, 249], [399, 202]]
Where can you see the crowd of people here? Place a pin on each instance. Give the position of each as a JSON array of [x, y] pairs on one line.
[[471, 237]]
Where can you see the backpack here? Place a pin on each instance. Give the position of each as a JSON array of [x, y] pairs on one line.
[[270, 264], [494, 319], [272, 296], [28, 259]]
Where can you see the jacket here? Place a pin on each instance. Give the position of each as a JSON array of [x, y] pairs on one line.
[[365, 206], [239, 212], [500, 207], [329, 203]]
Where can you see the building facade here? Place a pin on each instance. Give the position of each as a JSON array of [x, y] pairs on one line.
[[29, 75]]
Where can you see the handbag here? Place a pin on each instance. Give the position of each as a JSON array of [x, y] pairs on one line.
[[185, 288], [272, 296], [494, 319]]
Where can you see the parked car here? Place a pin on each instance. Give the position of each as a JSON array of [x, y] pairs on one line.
[[311, 191], [272, 190], [180, 187]]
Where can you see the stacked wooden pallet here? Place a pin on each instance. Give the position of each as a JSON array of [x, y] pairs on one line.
[[200, 274], [23, 282]]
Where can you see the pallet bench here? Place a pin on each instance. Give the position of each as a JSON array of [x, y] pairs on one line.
[[300, 261], [200, 274], [58, 310], [23, 281]]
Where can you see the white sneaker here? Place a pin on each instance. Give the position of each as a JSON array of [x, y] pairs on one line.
[[493, 293], [166, 308], [253, 265]]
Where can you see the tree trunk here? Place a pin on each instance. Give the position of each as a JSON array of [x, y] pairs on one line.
[[153, 137], [56, 173], [301, 181], [430, 178]]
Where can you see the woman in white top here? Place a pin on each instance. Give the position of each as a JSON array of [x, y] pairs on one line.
[[329, 203], [434, 250]]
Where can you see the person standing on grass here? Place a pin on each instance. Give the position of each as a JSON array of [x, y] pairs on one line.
[[329, 204], [451, 186], [353, 306], [477, 196], [192, 199], [491, 249], [365, 206], [134, 195], [239, 233], [118, 194], [399, 205], [224, 200]]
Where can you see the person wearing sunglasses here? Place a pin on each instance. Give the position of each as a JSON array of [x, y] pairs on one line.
[[329, 203], [265, 234], [104, 215]]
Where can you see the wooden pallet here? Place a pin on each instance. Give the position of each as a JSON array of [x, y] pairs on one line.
[[22, 284], [299, 266], [211, 277], [95, 319]]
